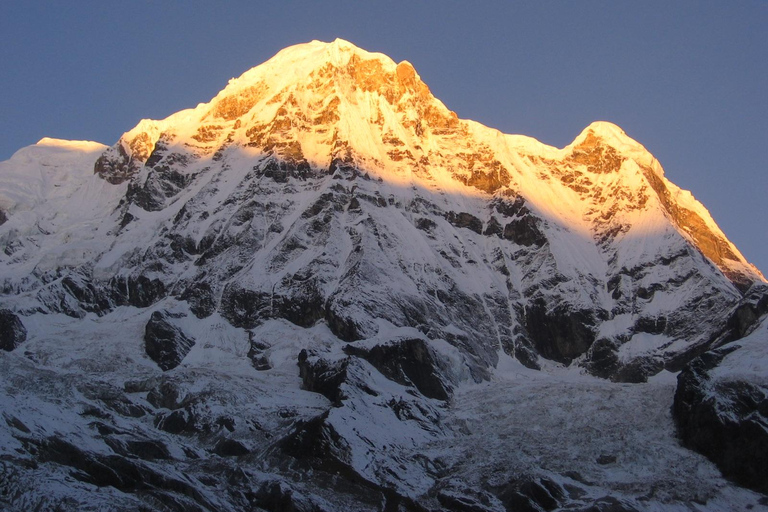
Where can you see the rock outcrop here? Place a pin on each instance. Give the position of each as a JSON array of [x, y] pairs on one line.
[[12, 331], [721, 409], [165, 342]]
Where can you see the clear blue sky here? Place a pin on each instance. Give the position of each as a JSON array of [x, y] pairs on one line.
[[688, 79]]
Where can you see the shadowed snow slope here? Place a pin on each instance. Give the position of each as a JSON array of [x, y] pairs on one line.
[[306, 291]]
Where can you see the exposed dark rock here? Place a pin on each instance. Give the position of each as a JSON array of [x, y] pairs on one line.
[[145, 449], [115, 165], [655, 325], [559, 333], [316, 442], [167, 395], [281, 170], [299, 301], [256, 353], [527, 357], [531, 494], [124, 407], [425, 224], [408, 361], [139, 291], [464, 501], [725, 420], [513, 209], [112, 397], [165, 343], [145, 196], [745, 316], [122, 473], [326, 200], [199, 296], [226, 422], [608, 504], [14, 422], [602, 358], [181, 421], [91, 298], [342, 325], [639, 369], [323, 376], [742, 318], [149, 449], [96, 412], [489, 180], [493, 228], [140, 385], [465, 220], [230, 448], [127, 219], [3, 217], [12, 331], [261, 363], [603, 361], [605, 459], [524, 231], [280, 497], [161, 183]]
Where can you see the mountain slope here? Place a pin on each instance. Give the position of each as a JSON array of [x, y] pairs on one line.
[[343, 191], [325, 209]]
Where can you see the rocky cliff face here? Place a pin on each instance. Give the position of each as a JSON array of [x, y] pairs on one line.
[[327, 223], [721, 408]]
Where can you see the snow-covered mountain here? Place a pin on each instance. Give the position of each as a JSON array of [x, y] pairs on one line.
[[315, 289]]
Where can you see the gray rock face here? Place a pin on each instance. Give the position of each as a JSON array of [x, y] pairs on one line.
[[322, 376], [530, 493], [122, 473], [12, 331], [559, 333], [724, 419], [409, 362], [166, 343]]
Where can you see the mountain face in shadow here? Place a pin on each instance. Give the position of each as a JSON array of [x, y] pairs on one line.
[[327, 227]]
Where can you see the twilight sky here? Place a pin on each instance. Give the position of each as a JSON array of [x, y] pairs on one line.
[[687, 79]]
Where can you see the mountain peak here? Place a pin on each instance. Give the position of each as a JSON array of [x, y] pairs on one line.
[[606, 133], [300, 103], [296, 63], [317, 103]]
